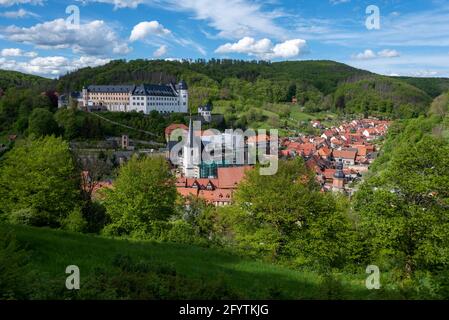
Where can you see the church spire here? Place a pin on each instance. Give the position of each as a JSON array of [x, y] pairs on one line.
[[190, 143]]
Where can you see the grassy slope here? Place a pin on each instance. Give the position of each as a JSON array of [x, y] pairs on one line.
[[53, 250]]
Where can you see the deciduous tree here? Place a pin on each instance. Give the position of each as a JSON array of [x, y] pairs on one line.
[[143, 193], [39, 183]]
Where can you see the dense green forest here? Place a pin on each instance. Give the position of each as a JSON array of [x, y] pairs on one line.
[[318, 85], [14, 79], [248, 93], [432, 86]]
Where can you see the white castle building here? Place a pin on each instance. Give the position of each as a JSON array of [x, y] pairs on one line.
[[142, 98]]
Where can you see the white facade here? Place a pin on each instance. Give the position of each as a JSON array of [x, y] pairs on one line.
[[218, 147], [143, 98], [191, 155], [147, 103]]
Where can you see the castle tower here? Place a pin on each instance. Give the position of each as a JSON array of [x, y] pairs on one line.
[[85, 97], [183, 96]]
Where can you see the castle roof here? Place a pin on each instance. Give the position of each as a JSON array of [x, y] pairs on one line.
[[155, 90], [182, 85], [162, 90], [206, 107]]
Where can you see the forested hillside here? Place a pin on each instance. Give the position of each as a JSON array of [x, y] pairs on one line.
[[382, 95], [432, 86], [318, 85], [13, 79]]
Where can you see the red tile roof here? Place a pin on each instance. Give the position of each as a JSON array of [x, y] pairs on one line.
[[173, 127], [230, 177], [344, 154]]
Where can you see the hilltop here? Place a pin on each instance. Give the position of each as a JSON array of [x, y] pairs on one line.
[[9, 79], [318, 85]]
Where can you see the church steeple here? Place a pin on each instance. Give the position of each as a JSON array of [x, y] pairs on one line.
[[190, 137], [191, 154]]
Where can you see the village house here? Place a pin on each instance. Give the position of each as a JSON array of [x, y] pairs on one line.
[[217, 191], [347, 156], [349, 145]]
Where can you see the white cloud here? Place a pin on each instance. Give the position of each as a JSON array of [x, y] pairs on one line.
[[88, 61], [264, 48], [52, 66], [387, 53], [21, 13], [339, 1], [426, 73], [15, 52], [161, 51], [146, 29], [419, 28], [92, 38], [367, 54], [161, 36], [370, 54], [247, 45], [186, 42], [288, 49], [232, 19], [120, 4], [8, 3], [182, 60], [407, 65]]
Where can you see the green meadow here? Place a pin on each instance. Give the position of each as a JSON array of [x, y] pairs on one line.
[[51, 251]]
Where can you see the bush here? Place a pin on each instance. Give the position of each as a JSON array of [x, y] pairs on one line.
[[177, 231], [95, 215], [75, 221]]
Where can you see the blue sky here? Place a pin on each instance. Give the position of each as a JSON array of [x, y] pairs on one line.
[[38, 36]]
